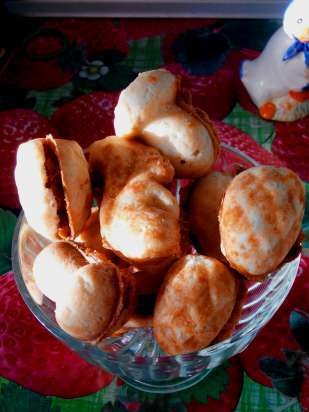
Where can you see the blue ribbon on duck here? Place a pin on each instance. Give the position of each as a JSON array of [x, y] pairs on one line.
[[296, 48]]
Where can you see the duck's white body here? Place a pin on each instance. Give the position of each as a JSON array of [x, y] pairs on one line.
[[269, 76], [276, 85]]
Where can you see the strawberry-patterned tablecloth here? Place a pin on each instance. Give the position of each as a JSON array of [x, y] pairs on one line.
[[64, 76]]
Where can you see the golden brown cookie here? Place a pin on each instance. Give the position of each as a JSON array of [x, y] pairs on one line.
[[92, 299], [139, 217], [53, 185], [204, 206], [260, 219], [89, 241], [108, 300], [148, 282], [89, 305], [54, 267], [194, 303], [229, 328], [148, 109]]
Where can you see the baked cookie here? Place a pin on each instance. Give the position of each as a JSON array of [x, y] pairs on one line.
[[149, 109], [204, 206], [260, 219], [194, 303], [92, 299], [53, 186], [139, 217]]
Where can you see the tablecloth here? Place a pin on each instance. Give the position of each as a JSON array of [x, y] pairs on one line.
[[64, 76]]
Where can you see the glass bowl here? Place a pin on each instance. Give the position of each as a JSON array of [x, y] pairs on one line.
[[135, 356]]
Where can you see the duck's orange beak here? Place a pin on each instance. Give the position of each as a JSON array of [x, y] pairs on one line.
[[304, 37]]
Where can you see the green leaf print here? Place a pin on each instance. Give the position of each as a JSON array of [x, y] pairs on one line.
[[45, 101], [14, 398], [7, 225], [259, 398], [211, 386], [144, 54], [261, 130]]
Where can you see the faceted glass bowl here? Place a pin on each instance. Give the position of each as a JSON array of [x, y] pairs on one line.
[[135, 356]]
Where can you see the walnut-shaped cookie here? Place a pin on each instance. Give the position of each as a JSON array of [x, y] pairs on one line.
[[194, 303], [260, 219], [149, 109], [53, 185], [204, 205], [139, 217], [93, 300]]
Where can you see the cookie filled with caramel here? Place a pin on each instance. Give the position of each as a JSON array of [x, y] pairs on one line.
[[53, 185]]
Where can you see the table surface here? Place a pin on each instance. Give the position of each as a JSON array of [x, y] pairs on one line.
[[64, 76]]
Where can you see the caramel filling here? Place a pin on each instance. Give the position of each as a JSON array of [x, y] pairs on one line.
[[54, 182]]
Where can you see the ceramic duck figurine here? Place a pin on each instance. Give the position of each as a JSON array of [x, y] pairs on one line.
[[278, 80]]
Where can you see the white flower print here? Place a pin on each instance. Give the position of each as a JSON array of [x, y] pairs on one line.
[[93, 70]]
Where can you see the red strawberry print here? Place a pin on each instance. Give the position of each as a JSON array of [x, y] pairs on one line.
[[42, 45], [16, 126], [291, 144], [33, 358], [212, 93], [276, 335], [86, 118], [40, 75], [132, 406], [50, 57], [236, 138], [229, 397], [168, 28], [47, 59], [234, 61], [96, 34]]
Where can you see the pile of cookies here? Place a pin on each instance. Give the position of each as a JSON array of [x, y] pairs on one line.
[[142, 258]]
